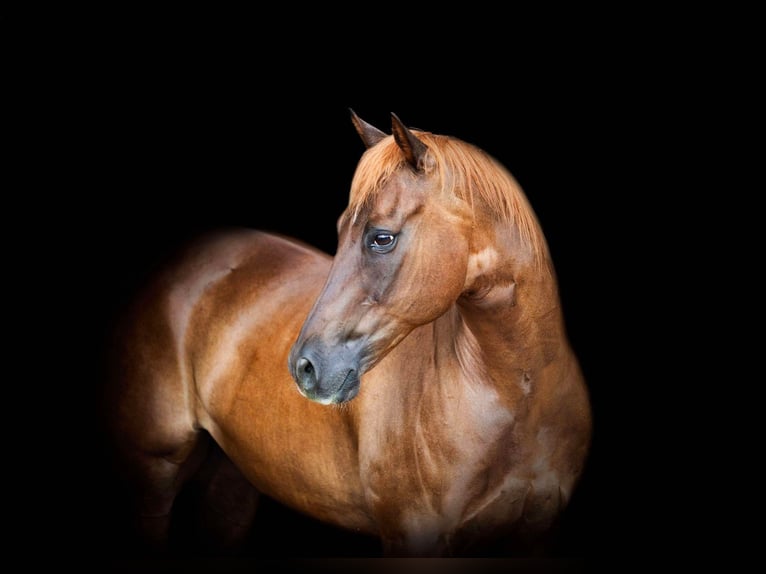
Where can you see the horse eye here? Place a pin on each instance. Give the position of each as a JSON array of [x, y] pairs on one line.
[[382, 242]]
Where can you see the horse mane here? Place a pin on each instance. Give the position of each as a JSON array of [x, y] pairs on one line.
[[465, 170]]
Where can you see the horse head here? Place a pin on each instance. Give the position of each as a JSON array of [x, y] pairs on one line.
[[403, 251]]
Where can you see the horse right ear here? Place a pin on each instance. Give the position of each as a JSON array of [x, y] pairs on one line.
[[370, 134]]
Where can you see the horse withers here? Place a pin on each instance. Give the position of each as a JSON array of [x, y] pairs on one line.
[[418, 386]]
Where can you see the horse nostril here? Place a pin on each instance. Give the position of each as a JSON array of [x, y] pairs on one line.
[[305, 367], [306, 373]]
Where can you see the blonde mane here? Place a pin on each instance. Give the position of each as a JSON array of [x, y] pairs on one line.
[[466, 170]]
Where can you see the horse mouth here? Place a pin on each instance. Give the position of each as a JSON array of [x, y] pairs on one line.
[[346, 391], [348, 388], [343, 393]]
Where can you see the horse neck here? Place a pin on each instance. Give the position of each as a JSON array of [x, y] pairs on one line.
[[487, 350], [466, 374]]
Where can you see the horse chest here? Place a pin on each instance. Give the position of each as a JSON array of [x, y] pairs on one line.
[[432, 479]]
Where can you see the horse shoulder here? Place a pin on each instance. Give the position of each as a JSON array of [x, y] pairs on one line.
[[556, 437]]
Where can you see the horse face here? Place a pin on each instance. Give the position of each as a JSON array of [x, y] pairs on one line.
[[401, 263]]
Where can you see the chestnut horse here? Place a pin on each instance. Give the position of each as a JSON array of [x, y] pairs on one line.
[[418, 386]]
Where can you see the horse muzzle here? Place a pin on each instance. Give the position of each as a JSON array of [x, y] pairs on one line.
[[326, 378]]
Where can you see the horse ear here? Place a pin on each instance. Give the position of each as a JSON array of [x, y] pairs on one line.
[[414, 149], [370, 134]]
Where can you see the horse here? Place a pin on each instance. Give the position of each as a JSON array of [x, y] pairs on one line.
[[418, 386]]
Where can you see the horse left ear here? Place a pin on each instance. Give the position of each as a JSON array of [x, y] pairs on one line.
[[414, 149], [370, 134]]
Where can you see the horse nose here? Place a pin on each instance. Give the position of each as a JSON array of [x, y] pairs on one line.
[[325, 375], [305, 374]]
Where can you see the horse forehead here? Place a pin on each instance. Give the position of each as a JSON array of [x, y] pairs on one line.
[[398, 193], [402, 193]]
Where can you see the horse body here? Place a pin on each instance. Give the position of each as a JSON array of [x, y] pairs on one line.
[[418, 386]]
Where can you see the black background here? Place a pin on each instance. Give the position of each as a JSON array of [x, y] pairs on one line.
[[154, 146]]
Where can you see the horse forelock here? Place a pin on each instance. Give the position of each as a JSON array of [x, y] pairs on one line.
[[375, 167], [464, 170]]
